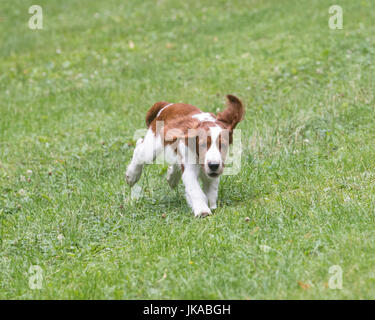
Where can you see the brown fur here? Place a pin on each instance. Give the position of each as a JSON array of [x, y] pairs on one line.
[[152, 113], [232, 115], [177, 116], [179, 124]]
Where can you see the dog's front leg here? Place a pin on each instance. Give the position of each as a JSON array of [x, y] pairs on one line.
[[211, 189], [194, 194]]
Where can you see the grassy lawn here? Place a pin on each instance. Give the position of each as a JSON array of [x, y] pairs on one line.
[[73, 94]]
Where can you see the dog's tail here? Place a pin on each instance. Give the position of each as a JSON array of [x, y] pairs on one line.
[[153, 112]]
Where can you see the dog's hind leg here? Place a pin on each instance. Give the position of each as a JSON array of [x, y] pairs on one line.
[[145, 152], [174, 175]]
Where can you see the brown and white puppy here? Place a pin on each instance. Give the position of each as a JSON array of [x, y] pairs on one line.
[[195, 143]]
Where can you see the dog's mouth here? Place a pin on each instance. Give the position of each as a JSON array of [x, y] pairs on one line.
[[213, 174]]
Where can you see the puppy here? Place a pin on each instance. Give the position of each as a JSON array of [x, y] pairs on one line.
[[195, 143]]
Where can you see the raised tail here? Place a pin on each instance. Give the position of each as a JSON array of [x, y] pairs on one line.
[[154, 110]]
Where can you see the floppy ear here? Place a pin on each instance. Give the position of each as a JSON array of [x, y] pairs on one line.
[[233, 114]]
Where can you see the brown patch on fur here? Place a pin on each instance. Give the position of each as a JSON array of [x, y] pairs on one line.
[[177, 119]]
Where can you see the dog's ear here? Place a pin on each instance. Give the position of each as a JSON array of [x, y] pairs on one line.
[[233, 113]]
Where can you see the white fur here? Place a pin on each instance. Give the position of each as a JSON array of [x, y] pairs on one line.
[[193, 191], [213, 153], [201, 201], [204, 116], [211, 188], [145, 152]]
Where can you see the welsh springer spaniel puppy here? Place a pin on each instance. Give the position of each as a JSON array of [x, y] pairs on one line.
[[195, 143]]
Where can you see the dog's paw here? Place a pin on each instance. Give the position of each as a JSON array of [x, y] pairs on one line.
[[132, 175], [130, 180], [203, 214]]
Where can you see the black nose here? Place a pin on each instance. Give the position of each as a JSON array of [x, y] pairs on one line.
[[213, 166]]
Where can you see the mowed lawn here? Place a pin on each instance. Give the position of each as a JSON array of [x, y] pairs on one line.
[[73, 94]]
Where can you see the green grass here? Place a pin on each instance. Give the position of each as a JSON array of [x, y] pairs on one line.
[[73, 94]]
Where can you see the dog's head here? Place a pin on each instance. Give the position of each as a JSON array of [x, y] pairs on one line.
[[208, 136], [211, 137], [214, 145]]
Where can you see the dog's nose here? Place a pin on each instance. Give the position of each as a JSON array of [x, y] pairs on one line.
[[213, 166]]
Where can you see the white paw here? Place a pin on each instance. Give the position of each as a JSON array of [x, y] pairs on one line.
[[132, 175], [203, 213]]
